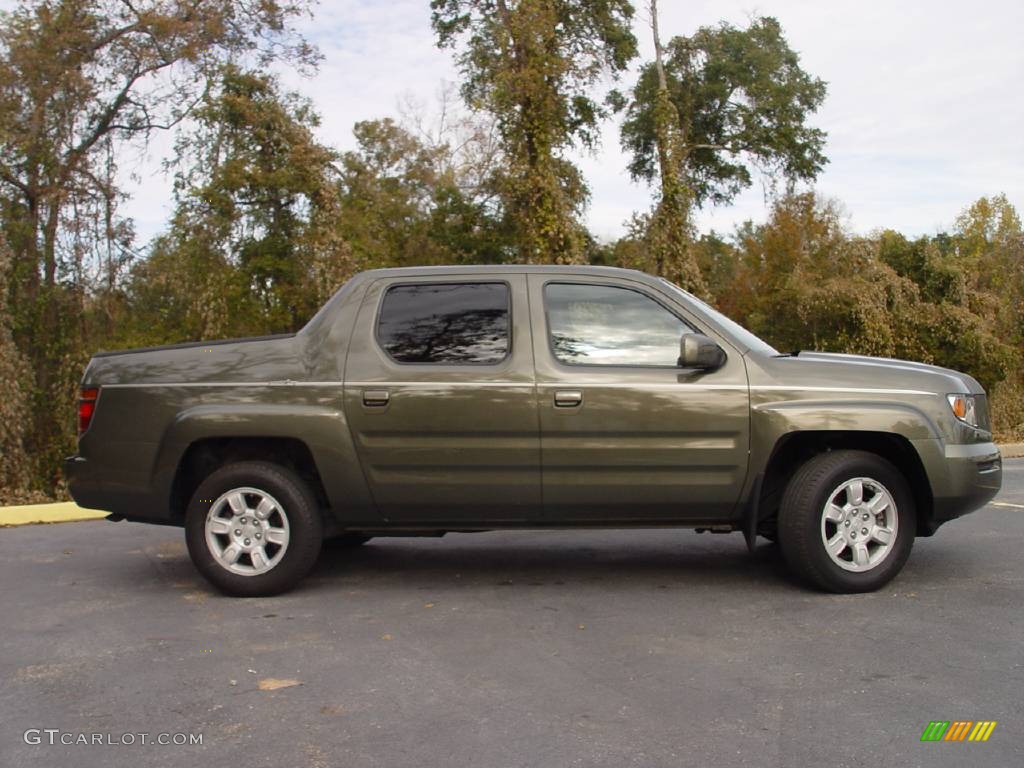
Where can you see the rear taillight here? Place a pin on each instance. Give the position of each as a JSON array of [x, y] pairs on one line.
[[86, 407]]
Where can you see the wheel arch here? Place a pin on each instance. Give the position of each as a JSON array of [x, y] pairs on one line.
[[205, 456], [313, 441], [793, 449]]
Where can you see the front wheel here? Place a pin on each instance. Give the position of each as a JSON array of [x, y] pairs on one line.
[[847, 521], [253, 529]]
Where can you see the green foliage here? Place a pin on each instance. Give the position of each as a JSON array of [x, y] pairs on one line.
[[707, 108], [533, 64], [717, 263], [405, 204], [990, 249], [973, 282], [268, 221], [742, 100], [14, 406], [801, 281], [79, 79], [1007, 403], [254, 245]]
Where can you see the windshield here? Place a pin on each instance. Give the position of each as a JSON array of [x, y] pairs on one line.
[[737, 331]]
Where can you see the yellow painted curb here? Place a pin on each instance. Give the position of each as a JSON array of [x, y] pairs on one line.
[[65, 512]]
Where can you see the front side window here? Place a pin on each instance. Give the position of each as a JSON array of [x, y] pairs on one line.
[[446, 323], [605, 325]]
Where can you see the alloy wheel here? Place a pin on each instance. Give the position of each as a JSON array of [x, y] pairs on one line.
[[247, 531], [859, 524]]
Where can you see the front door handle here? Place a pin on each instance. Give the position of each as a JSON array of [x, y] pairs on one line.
[[376, 398], [568, 398]]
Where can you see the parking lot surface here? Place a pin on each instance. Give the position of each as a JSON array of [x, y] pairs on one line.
[[589, 648]]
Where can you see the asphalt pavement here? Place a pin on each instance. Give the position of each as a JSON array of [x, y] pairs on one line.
[[598, 648]]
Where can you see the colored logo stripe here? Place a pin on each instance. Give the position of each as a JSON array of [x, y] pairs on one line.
[[958, 730], [935, 730], [982, 730]]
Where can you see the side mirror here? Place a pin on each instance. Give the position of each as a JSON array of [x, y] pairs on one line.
[[698, 351]]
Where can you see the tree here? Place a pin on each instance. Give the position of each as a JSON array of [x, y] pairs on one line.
[[667, 232], [465, 145], [804, 282], [14, 408], [78, 79], [406, 202], [533, 64], [990, 247], [77, 76], [467, 162], [388, 184], [708, 108], [255, 238], [971, 277], [742, 100]]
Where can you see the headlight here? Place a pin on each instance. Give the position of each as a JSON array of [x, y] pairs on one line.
[[964, 408]]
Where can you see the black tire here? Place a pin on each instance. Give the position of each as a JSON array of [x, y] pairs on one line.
[[801, 529], [346, 541], [297, 507]]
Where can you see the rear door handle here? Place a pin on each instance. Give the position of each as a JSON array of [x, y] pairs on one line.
[[568, 398], [375, 398]]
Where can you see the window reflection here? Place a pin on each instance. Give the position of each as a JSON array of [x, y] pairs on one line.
[[461, 323], [604, 325]]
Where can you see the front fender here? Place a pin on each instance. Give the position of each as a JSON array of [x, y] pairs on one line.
[[772, 420]]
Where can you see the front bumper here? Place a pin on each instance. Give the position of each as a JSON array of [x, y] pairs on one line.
[[963, 478]]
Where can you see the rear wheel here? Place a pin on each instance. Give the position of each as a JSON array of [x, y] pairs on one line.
[[253, 529], [847, 521]]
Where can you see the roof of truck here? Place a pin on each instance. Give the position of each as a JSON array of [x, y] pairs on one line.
[[493, 270], [583, 269]]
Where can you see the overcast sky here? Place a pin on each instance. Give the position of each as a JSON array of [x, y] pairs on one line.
[[924, 112]]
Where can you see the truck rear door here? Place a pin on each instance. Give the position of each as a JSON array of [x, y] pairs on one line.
[[440, 397]]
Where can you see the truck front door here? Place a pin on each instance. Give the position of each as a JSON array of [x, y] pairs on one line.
[[627, 436]]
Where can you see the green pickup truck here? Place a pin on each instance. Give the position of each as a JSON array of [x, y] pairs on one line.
[[433, 399]]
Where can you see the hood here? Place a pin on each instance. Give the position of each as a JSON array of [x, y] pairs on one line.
[[823, 368]]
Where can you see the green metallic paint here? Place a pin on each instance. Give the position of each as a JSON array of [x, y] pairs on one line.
[[311, 416], [646, 445], [484, 446], [455, 444]]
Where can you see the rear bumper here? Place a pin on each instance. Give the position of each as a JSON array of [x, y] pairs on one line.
[[963, 478], [91, 487], [85, 493]]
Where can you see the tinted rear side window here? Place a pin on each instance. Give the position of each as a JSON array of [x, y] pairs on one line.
[[448, 323]]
